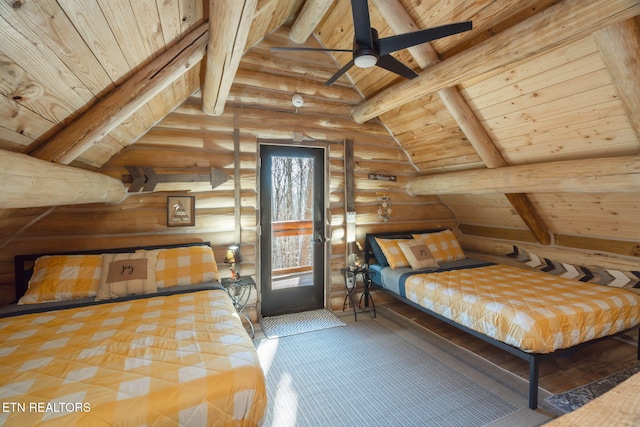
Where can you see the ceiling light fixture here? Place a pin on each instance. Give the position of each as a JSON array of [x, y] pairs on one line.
[[366, 61], [297, 101]]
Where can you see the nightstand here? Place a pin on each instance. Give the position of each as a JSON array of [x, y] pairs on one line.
[[240, 292], [350, 282]]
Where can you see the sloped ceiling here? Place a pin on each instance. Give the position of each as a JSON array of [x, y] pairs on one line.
[[534, 82]]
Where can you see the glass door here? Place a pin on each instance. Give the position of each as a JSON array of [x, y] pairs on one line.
[[292, 243]]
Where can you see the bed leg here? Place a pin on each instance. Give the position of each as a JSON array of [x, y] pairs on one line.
[[533, 382]]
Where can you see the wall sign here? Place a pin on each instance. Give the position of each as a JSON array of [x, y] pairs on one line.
[[382, 177], [181, 211]]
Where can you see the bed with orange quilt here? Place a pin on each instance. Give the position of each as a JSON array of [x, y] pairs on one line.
[[133, 354], [530, 314]]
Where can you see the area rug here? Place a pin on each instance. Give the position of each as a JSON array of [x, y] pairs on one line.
[[298, 323], [573, 399], [374, 372]]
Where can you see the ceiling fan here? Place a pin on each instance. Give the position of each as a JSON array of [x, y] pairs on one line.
[[369, 50]]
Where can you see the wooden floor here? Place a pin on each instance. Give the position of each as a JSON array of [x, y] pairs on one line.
[[557, 375]]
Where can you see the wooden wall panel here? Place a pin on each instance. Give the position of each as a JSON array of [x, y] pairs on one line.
[[190, 140], [560, 105], [590, 215], [607, 215], [484, 209]]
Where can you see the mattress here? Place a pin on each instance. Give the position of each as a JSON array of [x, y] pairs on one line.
[[533, 311], [180, 359]]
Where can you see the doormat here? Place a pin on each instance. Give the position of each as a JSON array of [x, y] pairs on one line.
[[573, 399], [298, 323]]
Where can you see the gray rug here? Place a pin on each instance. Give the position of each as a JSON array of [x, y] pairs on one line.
[[573, 399], [298, 323], [374, 372]]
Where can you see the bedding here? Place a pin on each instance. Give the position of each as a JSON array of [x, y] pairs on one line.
[[127, 274], [126, 352], [443, 245], [63, 278], [529, 314], [533, 311], [181, 266], [181, 358]]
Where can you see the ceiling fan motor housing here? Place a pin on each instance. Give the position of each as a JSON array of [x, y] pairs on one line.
[[366, 56]]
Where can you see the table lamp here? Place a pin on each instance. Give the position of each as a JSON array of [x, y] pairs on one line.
[[232, 257]]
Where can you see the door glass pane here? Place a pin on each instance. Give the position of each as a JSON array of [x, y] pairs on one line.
[[292, 222]]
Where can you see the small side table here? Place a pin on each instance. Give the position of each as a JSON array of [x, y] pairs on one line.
[[240, 292], [350, 282]]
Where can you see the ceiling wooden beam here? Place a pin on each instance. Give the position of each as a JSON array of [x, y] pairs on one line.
[[229, 24], [112, 110], [603, 175], [400, 22], [310, 16], [28, 182], [562, 23], [619, 45]]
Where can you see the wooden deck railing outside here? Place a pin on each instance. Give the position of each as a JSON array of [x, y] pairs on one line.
[[292, 228]]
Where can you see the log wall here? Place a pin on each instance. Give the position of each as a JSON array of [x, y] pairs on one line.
[[190, 139], [259, 107]]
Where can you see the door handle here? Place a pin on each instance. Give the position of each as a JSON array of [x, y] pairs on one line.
[[320, 240]]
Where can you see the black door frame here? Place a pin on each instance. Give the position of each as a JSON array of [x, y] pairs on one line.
[[321, 219]]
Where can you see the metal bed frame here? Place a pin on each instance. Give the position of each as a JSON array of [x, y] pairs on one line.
[[533, 358]]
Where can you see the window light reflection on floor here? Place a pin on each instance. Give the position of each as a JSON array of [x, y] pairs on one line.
[[284, 403], [266, 352]]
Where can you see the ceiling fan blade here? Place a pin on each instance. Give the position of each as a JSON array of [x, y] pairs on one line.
[[390, 63], [308, 49], [362, 22], [339, 74], [402, 41]]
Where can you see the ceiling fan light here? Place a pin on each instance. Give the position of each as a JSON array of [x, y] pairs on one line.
[[366, 61]]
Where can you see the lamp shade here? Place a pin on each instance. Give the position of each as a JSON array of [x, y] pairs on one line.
[[233, 255]]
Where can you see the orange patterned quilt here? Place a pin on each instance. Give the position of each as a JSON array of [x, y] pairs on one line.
[[183, 359], [533, 311]]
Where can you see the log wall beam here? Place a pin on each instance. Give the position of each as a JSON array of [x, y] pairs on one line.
[[400, 22], [310, 16], [229, 23], [603, 175], [562, 23], [619, 45], [28, 182], [112, 110]]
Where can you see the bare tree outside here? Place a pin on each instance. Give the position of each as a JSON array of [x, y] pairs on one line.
[[292, 200]]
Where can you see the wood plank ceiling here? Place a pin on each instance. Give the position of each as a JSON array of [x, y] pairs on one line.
[[535, 81]]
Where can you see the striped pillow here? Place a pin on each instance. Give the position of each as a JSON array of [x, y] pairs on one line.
[[443, 245], [63, 277]]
